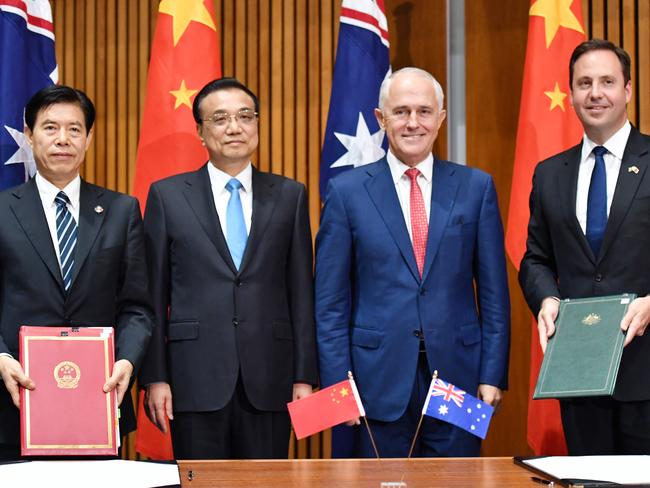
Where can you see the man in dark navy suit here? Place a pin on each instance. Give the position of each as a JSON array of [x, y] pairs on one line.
[[93, 274], [589, 235], [230, 257]]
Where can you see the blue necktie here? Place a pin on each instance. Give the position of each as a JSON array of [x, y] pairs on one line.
[[235, 224], [597, 202], [66, 233]]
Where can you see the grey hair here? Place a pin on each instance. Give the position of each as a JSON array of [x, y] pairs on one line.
[[385, 85]]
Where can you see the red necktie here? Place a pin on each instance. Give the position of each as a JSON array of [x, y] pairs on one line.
[[419, 222]]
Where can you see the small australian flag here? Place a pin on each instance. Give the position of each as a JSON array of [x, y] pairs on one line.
[[450, 404]]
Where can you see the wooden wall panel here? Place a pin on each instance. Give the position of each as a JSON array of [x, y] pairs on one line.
[[496, 43], [285, 50], [496, 48]]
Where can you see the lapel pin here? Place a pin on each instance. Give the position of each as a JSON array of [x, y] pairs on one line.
[[99, 209], [633, 169]]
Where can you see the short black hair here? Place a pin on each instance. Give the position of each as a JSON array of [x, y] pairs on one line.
[[53, 94], [221, 84], [601, 45]]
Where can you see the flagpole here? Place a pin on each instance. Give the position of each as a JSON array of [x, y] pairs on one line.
[[417, 431], [365, 420]]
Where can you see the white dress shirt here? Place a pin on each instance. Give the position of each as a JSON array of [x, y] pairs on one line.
[[221, 195], [403, 185], [47, 191], [615, 146]]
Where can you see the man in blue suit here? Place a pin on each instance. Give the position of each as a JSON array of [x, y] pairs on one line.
[[412, 279]]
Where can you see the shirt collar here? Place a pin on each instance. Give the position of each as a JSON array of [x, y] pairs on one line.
[[48, 191], [398, 168], [615, 144], [219, 178]]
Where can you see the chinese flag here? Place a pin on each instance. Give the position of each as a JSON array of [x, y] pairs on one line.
[[547, 126], [184, 57], [328, 407]]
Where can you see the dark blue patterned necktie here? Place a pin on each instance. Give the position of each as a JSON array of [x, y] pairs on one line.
[[597, 202], [66, 233]]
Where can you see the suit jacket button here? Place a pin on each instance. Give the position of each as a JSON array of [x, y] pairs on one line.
[[235, 322], [599, 277], [238, 282], [418, 334], [423, 291]]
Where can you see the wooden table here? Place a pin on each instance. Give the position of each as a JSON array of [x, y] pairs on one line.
[[358, 473]]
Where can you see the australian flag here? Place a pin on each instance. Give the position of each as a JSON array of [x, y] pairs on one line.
[[353, 136], [27, 64], [453, 405]]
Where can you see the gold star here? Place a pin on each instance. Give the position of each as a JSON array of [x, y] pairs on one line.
[[556, 13], [183, 96], [184, 12], [557, 97], [344, 392]]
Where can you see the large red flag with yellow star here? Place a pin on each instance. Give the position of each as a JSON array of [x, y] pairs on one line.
[[184, 57], [547, 126]]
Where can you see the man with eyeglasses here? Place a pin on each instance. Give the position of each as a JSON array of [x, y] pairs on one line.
[[411, 278], [230, 260]]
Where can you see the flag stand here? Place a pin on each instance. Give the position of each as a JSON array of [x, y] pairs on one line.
[[365, 419], [417, 431]]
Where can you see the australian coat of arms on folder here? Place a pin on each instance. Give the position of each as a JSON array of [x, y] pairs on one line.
[[68, 413], [583, 356]]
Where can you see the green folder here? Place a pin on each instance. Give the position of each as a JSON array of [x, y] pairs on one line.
[[583, 356]]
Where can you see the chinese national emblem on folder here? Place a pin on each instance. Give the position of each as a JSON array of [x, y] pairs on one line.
[[68, 413]]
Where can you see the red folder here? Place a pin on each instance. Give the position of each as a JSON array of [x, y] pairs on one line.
[[68, 413]]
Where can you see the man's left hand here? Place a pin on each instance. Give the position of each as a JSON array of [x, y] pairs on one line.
[[636, 319], [490, 395], [119, 380], [301, 390]]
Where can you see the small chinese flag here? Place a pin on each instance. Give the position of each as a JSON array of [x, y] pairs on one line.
[[547, 126], [326, 408]]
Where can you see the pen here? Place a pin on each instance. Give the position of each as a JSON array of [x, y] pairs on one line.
[[542, 481]]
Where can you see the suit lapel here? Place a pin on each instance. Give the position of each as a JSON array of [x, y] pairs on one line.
[[567, 193], [198, 194], [382, 192], [443, 195], [636, 154], [264, 200], [28, 209], [91, 217]]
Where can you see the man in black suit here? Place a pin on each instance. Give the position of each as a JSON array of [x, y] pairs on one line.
[[589, 235], [95, 277], [230, 260]]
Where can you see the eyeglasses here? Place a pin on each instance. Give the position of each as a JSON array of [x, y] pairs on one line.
[[402, 114], [222, 119]]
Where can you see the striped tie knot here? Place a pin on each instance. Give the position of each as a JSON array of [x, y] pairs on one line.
[[61, 199]]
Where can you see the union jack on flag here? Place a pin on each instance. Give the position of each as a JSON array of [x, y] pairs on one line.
[[353, 136], [453, 405], [27, 64], [448, 391]]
